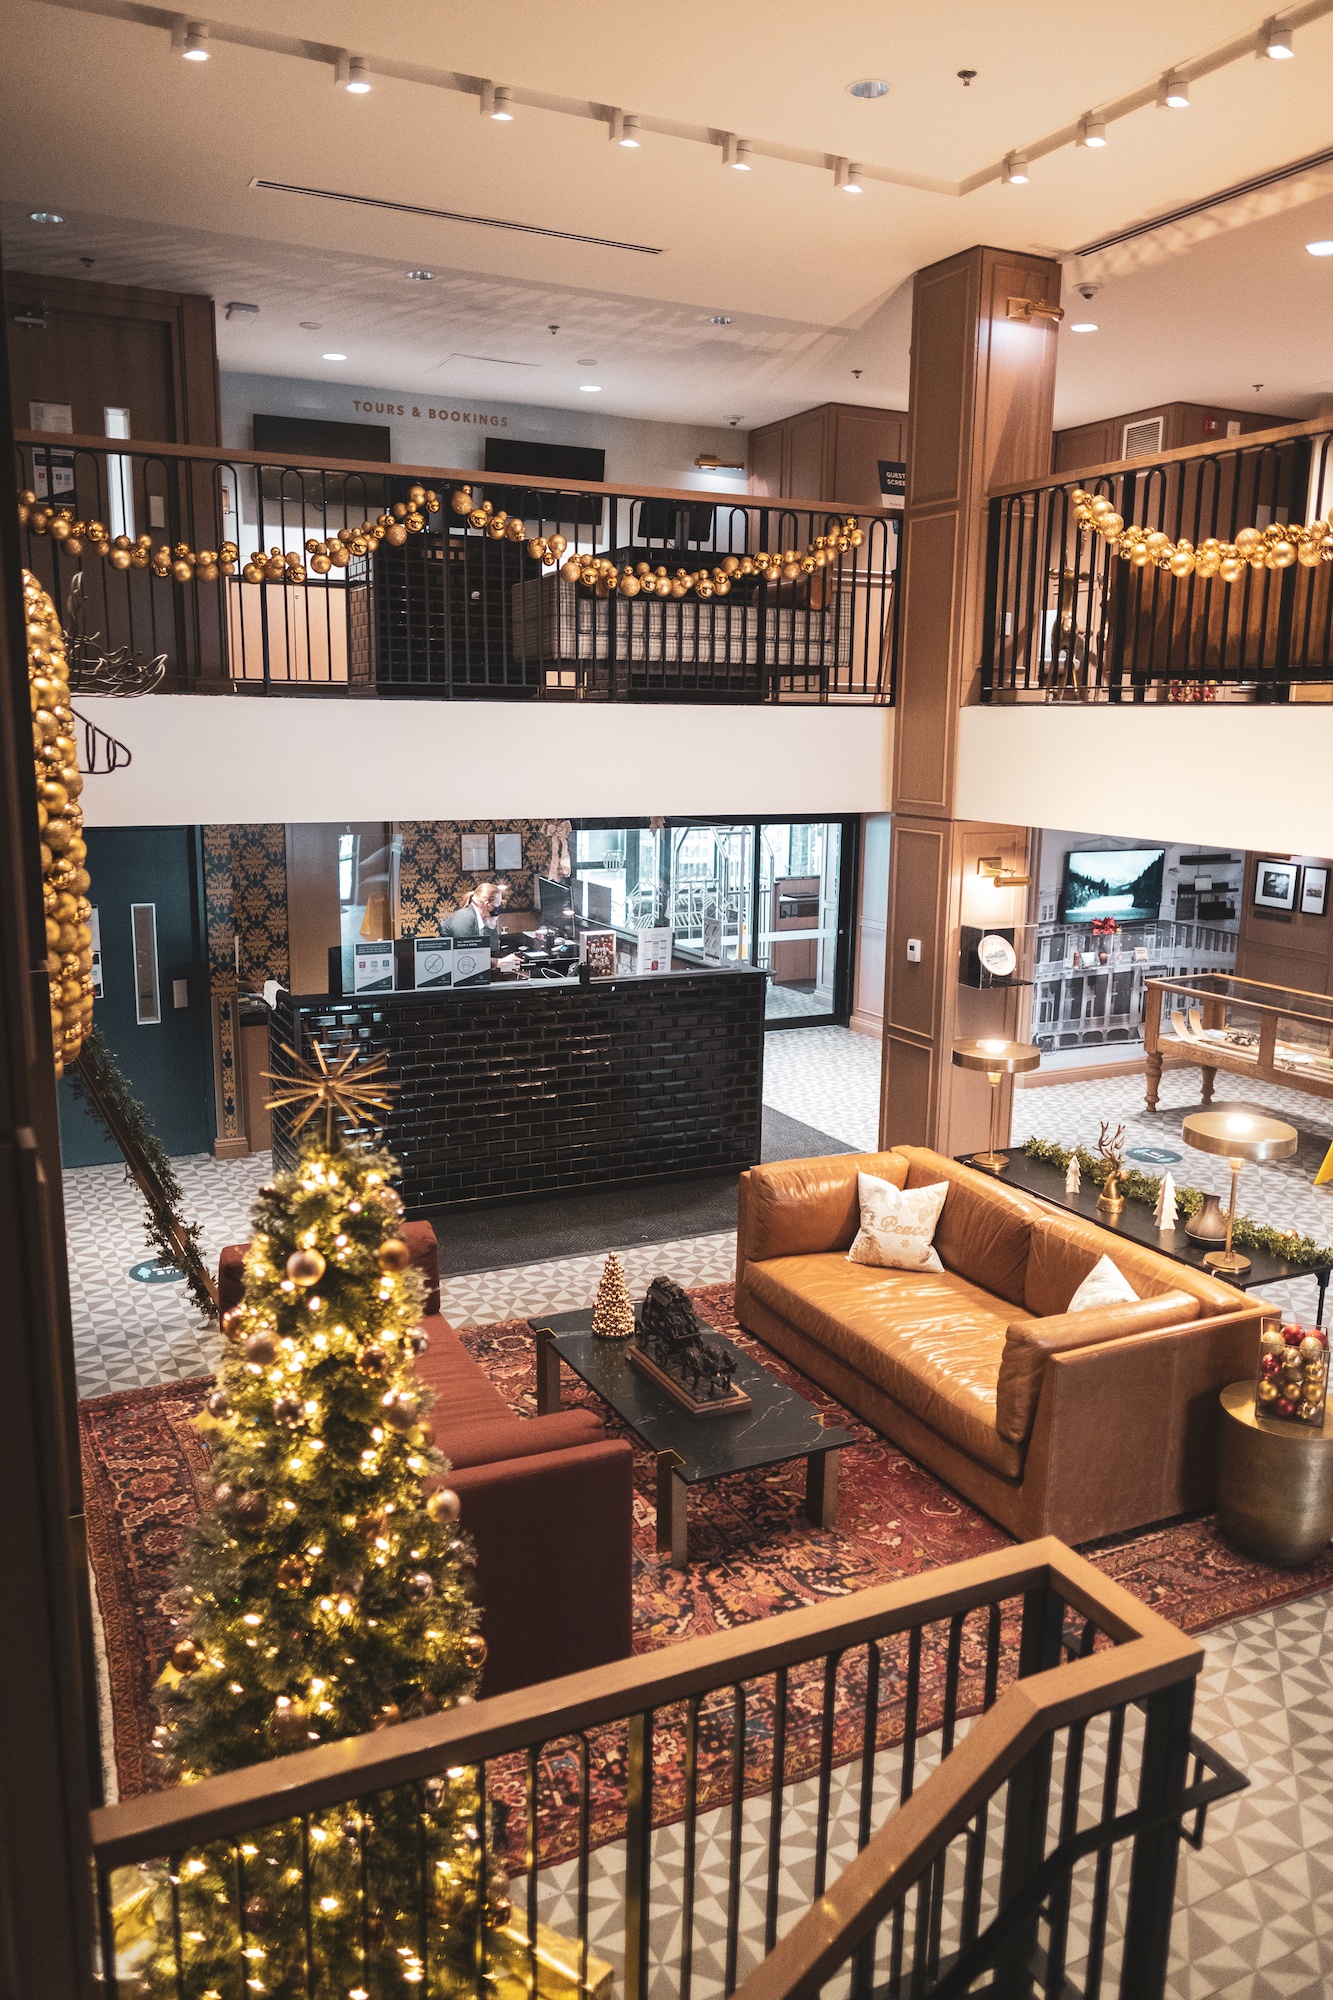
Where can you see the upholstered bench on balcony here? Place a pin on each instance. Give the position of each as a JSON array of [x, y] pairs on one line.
[[1054, 1423], [547, 1502]]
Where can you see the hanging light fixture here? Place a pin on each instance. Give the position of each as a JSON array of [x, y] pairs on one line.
[[847, 176], [1091, 130], [351, 74], [1014, 172], [190, 39], [1173, 92], [1275, 41], [735, 152], [495, 99]]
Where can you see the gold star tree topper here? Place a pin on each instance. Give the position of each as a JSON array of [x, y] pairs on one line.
[[352, 1088]]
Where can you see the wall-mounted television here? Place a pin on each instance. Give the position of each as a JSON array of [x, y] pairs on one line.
[[1120, 882]]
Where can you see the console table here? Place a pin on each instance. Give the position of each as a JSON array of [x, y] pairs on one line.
[[1135, 1221]]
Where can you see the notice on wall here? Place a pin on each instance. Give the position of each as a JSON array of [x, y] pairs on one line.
[[372, 968], [508, 851], [654, 949], [893, 482], [476, 853]]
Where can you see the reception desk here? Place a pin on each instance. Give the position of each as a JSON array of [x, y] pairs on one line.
[[538, 1087]]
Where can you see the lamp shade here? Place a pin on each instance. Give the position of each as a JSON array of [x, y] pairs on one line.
[[1240, 1132], [994, 1053]]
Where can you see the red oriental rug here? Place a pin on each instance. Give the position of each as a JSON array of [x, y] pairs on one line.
[[753, 1554]]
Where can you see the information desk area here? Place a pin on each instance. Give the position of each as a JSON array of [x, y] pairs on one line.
[[530, 1087]]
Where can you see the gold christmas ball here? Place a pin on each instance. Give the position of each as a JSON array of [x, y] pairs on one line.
[[1311, 1349], [557, 543], [305, 1267], [1283, 555], [261, 1348], [461, 499], [1230, 568], [443, 1506], [495, 527], [477, 518], [292, 1573], [538, 547], [396, 535], [514, 529], [186, 1656], [321, 565], [1181, 562], [401, 1412], [393, 1254], [253, 573], [474, 1651], [1267, 1391], [120, 558]]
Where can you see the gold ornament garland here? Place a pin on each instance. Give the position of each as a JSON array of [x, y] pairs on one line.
[[1275, 547], [60, 821]]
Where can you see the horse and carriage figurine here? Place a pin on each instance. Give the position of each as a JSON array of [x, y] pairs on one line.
[[670, 1346]]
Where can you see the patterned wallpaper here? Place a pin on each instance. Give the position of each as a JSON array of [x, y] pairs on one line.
[[245, 897], [431, 879]]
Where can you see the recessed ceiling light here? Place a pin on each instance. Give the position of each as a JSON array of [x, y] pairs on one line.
[[1173, 92], [333, 357], [590, 388], [1275, 41], [1323, 248], [423, 276], [1014, 172], [1083, 326], [720, 319], [869, 86], [45, 215]]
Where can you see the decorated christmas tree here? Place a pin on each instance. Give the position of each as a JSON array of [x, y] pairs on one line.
[[321, 1595], [613, 1309]]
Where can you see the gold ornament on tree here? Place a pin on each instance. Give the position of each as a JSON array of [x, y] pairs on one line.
[[69, 941], [613, 1309]]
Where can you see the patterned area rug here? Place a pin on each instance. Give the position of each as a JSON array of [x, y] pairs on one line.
[[753, 1554]]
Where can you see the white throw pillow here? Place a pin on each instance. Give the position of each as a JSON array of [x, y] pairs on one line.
[[1104, 1285], [898, 1225]]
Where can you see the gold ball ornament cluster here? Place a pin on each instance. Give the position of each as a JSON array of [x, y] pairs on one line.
[[404, 518], [69, 953], [1275, 547]]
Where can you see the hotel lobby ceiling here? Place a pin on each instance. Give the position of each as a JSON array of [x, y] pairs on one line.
[[151, 159]]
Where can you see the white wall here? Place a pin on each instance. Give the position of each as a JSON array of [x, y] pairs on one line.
[[638, 452], [201, 759], [1227, 775]]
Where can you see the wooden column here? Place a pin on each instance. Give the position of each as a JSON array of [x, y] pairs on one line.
[[981, 408]]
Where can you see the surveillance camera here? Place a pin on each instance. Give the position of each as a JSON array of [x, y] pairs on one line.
[[1087, 290]]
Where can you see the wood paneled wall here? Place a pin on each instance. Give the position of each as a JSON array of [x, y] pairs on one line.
[[828, 453], [1102, 443], [1288, 949]]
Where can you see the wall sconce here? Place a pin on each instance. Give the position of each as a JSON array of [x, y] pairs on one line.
[[999, 874], [708, 461], [1030, 309]]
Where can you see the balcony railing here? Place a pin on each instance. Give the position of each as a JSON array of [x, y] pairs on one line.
[[910, 1785], [461, 610], [1069, 619]]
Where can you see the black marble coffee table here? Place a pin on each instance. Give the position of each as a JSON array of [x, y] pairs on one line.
[[777, 1427]]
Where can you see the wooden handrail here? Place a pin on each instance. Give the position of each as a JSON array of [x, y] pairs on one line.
[[1181, 455], [309, 1780], [379, 469]]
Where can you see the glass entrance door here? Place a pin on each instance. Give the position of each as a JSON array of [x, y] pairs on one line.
[[799, 901]]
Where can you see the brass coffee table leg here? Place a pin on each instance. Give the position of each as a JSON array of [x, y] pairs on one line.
[[548, 1373], [821, 1488], [673, 1527]]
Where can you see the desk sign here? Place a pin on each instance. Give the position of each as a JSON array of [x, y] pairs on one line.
[[654, 949], [472, 964], [432, 962], [372, 968]]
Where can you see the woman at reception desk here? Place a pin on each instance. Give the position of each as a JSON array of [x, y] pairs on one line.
[[476, 920]]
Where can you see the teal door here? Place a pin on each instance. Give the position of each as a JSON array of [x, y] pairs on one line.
[[153, 1012]]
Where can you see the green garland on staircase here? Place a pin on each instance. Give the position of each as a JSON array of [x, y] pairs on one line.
[[1248, 1234]]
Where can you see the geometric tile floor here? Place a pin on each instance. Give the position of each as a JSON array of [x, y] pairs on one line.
[[1255, 1915]]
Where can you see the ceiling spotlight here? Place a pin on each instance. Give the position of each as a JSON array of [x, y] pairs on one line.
[[351, 73], [1091, 130], [495, 103], [1014, 172], [1173, 92], [1083, 326], [423, 277], [190, 39], [1323, 248], [624, 129], [1275, 41], [735, 152], [333, 357], [869, 86], [719, 319], [590, 388], [847, 176], [48, 215]]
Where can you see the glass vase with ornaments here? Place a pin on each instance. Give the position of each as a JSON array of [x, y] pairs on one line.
[[1293, 1374]]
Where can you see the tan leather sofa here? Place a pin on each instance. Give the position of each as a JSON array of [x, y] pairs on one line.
[[1054, 1423]]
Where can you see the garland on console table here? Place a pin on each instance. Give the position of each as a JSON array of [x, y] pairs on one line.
[[1275, 547], [1284, 1244]]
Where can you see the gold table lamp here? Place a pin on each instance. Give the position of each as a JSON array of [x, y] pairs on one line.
[[1238, 1133], [998, 1058]]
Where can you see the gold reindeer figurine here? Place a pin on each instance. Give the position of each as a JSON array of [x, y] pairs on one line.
[[1110, 1201]]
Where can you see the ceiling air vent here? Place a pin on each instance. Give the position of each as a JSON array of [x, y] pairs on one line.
[[453, 215], [1141, 440]]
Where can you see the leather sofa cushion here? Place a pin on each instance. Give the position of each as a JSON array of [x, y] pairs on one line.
[[984, 1230], [464, 1394], [1065, 1248], [929, 1339], [1028, 1343], [798, 1207], [490, 1440]]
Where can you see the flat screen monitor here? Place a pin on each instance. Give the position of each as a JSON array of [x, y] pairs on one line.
[[576, 464], [556, 907], [1120, 882]]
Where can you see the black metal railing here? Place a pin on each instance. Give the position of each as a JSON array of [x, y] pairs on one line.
[[461, 610], [1066, 618], [668, 1821]]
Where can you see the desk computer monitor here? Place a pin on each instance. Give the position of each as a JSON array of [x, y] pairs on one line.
[[556, 906]]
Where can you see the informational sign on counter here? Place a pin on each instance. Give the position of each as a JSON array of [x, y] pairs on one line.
[[432, 962], [713, 940], [597, 949], [654, 949], [472, 964], [372, 968]]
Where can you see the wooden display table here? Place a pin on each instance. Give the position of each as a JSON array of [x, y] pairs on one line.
[[1278, 1034], [1274, 1482]]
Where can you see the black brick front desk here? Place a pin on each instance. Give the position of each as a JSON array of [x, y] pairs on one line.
[[533, 1087]]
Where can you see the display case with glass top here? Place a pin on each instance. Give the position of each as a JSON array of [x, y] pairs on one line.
[[1277, 1033]]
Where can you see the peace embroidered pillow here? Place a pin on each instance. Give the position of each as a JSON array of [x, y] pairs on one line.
[[898, 1225], [1105, 1285]]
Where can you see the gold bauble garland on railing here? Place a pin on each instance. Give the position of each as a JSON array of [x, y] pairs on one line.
[[65, 884], [1275, 547]]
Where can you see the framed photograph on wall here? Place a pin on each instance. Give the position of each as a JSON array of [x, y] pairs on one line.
[[1275, 885], [477, 854], [1314, 891]]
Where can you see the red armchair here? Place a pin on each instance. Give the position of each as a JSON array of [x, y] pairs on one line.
[[547, 1502]]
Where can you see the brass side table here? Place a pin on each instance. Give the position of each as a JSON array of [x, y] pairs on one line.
[[1274, 1482]]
